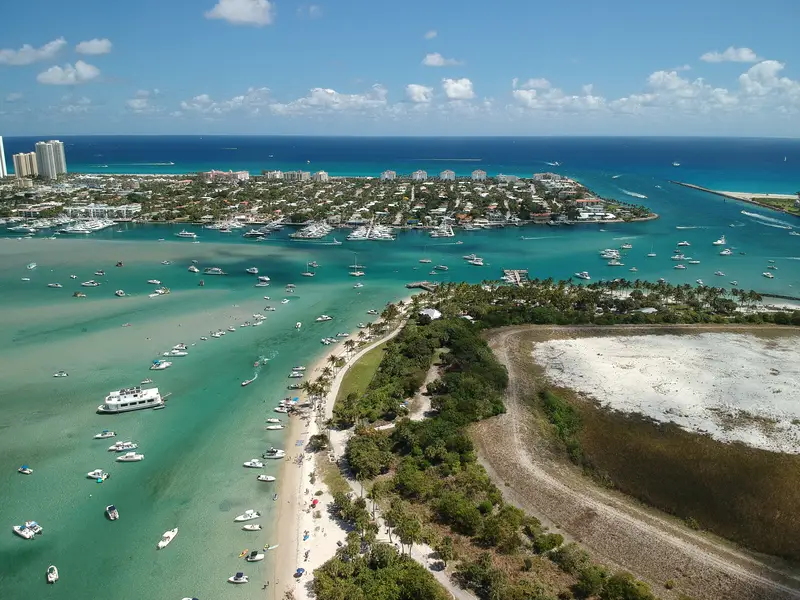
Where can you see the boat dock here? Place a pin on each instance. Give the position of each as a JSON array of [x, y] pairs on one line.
[[428, 286], [515, 276]]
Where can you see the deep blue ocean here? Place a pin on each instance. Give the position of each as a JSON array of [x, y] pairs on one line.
[[747, 164]]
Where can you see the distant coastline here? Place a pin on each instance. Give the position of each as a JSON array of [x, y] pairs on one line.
[[747, 197]]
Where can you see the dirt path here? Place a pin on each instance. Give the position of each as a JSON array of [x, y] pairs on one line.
[[615, 529], [421, 402]]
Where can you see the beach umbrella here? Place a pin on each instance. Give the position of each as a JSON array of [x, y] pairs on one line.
[[299, 572]]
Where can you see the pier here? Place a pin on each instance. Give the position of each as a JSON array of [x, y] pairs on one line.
[[428, 286], [515, 276], [743, 196]]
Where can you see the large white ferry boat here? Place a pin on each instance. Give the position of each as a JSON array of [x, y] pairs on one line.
[[133, 398]]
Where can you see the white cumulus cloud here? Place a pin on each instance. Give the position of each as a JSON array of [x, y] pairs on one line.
[[14, 97], [94, 47], [429, 35], [419, 93], [732, 54], [68, 74], [434, 59], [764, 78], [458, 89], [28, 54], [141, 103], [243, 12], [250, 102], [538, 83], [322, 100]]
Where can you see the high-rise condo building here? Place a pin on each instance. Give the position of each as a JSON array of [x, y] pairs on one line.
[[46, 160], [25, 165], [60, 156], [3, 170]]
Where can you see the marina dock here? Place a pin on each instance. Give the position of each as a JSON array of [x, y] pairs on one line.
[[428, 286], [515, 276]]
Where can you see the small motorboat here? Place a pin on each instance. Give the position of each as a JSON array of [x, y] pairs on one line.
[[254, 556], [322, 318], [252, 270], [98, 475], [273, 427], [166, 262], [90, 283], [154, 281], [146, 381], [358, 285], [247, 382], [238, 578], [253, 463], [266, 478], [100, 273], [122, 447], [31, 266], [105, 434], [73, 276], [274, 453], [275, 498], [734, 282], [25, 470], [372, 311], [130, 457], [193, 269], [160, 365], [768, 275], [52, 574], [167, 538], [273, 420], [175, 353], [626, 246], [285, 301], [119, 264], [719, 273], [252, 527], [54, 285], [281, 409], [264, 279], [79, 295], [112, 513], [120, 293], [60, 374], [298, 325], [700, 282], [247, 515], [296, 375]]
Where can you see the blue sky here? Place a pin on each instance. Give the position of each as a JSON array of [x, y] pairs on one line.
[[361, 67]]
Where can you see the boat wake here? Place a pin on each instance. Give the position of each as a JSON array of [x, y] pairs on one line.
[[634, 194], [626, 237], [616, 176], [767, 220], [689, 227]]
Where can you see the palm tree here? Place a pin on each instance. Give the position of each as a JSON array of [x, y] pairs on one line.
[[327, 372]]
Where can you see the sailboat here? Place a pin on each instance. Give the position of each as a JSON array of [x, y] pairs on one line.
[[651, 254], [356, 268], [425, 260], [308, 272]]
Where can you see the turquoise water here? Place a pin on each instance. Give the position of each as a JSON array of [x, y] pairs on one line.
[[192, 476]]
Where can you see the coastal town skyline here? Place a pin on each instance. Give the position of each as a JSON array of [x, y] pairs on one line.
[[308, 69]]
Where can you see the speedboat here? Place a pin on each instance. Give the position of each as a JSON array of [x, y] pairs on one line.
[[130, 457], [60, 374], [324, 318], [693, 262], [633, 269], [253, 463], [160, 365], [119, 293], [768, 275], [794, 233], [267, 478], [186, 234], [296, 375], [154, 281], [274, 452], [358, 285], [651, 255], [180, 346], [112, 513], [726, 252], [719, 273], [73, 276], [734, 282], [25, 470], [231, 328], [31, 266], [684, 243], [252, 527], [175, 353], [263, 278], [193, 269], [100, 273], [299, 368], [238, 578], [52, 574], [98, 474], [166, 262], [285, 301], [214, 271], [678, 257], [626, 246], [105, 434], [167, 538], [273, 420], [273, 427], [54, 285], [261, 284], [146, 381], [699, 282], [720, 242], [679, 266], [615, 263], [372, 311], [90, 283], [425, 260], [583, 275], [281, 409], [298, 325], [119, 264], [254, 556], [248, 381], [772, 267], [247, 515], [252, 270], [122, 447]]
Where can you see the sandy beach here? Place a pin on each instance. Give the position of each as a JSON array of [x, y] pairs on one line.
[[734, 387]]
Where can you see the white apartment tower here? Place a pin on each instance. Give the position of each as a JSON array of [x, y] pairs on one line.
[[320, 176], [46, 160], [419, 175], [388, 175], [25, 165], [60, 156], [478, 175], [447, 175], [3, 169]]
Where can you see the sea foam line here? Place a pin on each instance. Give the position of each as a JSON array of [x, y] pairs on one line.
[[768, 219], [634, 194]]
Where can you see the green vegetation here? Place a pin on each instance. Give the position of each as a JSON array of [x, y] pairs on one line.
[[787, 204], [360, 374], [427, 474], [745, 494]]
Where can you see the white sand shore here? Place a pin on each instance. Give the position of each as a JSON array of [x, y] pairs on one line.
[[735, 387]]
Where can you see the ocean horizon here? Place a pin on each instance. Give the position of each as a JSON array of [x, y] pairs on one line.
[[734, 164]]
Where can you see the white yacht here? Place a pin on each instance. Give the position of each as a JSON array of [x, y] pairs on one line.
[[120, 293], [678, 257], [768, 275], [160, 365], [719, 273], [252, 270], [25, 470], [193, 269], [238, 578], [720, 242], [60, 374], [699, 282], [313, 231], [726, 252], [213, 271], [248, 515], [122, 446], [186, 234], [90, 283], [583, 275], [253, 463], [626, 246], [324, 318], [105, 434], [133, 398], [175, 353], [97, 474], [275, 452], [31, 266], [154, 281], [130, 457], [254, 556], [28, 530], [679, 266], [167, 538], [425, 260], [684, 243], [273, 427], [296, 375], [252, 527], [478, 262], [264, 279], [112, 513], [54, 285], [280, 409], [441, 267], [693, 261], [615, 263], [267, 478]]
